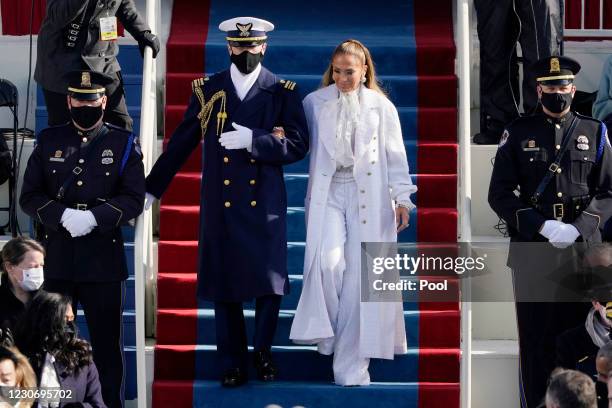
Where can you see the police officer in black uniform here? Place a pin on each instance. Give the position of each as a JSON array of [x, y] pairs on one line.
[[83, 181], [561, 164], [82, 35], [252, 123]]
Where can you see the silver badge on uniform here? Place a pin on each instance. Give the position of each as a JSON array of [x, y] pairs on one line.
[[107, 160], [107, 153], [582, 143]]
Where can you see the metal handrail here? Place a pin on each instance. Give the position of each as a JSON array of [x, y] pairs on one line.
[[143, 242], [462, 39]]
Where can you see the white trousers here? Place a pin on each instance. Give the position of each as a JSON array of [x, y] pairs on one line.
[[340, 270]]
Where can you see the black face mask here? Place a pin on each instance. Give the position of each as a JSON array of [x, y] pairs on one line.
[[556, 102], [246, 62], [70, 329], [86, 116]]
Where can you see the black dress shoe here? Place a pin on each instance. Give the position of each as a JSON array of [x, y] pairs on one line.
[[266, 370], [487, 138], [234, 377]]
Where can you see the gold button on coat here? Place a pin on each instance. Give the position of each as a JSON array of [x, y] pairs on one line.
[[79, 183], [252, 182], [253, 203], [226, 182], [227, 204], [559, 194], [226, 159]]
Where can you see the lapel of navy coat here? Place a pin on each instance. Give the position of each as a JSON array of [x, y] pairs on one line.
[[242, 242], [113, 196]]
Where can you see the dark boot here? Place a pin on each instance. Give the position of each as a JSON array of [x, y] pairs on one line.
[[266, 370], [234, 377]]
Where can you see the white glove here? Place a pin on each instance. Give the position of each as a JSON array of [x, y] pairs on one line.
[[68, 213], [149, 199], [549, 227], [564, 236], [79, 223], [241, 138]]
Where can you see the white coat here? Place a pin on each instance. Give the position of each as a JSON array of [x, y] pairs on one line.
[[382, 176]]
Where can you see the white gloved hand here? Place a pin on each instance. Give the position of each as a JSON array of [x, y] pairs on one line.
[[549, 227], [241, 138], [67, 214], [80, 223], [149, 199], [564, 236]]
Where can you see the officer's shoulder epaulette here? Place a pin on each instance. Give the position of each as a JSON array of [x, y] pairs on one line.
[[117, 128], [289, 85], [587, 118], [52, 129], [197, 83]]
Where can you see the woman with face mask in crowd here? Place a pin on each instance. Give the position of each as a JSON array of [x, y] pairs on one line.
[[47, 335], [359, 190], [20, 277]]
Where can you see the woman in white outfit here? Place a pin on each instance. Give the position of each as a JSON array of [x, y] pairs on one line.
[[358, 191]]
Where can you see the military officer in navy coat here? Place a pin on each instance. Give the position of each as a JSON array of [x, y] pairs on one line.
[[252, 123], [551, 182], [83, 181]]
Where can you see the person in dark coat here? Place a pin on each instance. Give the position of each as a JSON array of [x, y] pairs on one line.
[[561, 164], [47, 336], [577, 347], [20, 278], [82, 35], [538, 26], [252, 123], [83, 181]]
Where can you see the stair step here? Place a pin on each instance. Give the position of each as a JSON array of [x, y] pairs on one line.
[[434, 123], [178, 222], [435, 190], [176, 326], [209, 394], [184, 362], [436, 91], [177, 290]]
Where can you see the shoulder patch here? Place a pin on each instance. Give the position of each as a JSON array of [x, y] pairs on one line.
[[196, 83], [290, 85]]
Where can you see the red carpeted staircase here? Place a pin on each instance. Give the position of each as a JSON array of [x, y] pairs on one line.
[[425, 94]]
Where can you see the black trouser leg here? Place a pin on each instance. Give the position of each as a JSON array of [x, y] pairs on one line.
[[266, 320], [499, 92], [57, 108], [539, 324], [116, 108], [102, 304], [103, 307], [232, 347], [541, 36]]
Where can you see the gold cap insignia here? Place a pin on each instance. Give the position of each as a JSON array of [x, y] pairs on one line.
[[531, 143], [86, 80], [58, 154], [245, 29], [554, 65]]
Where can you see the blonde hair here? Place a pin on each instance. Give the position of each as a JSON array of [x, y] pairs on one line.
[[359, 51], [24, 375]]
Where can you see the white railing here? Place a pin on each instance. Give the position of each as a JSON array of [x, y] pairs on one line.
[[588, 32], [143, 241], [462, 40]]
